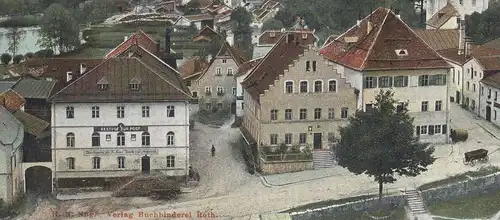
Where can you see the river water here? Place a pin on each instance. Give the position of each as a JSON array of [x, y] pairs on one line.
[[28, 43]]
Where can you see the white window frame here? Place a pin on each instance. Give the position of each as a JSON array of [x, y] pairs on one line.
[[96, 163], [170, 161], [331, 113], [70, 163], [273, 138], [285, 88], [170, 138], [288, 139], [336, 85], [300, 86], [218, 71], [314, 86], [120, 111], [230, 71], [70, 112], [145, 111], [95, 111], [170, 109]]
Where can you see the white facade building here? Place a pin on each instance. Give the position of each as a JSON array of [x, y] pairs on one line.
[[243, 72], [489, 104], [118, 119], [463, 7]]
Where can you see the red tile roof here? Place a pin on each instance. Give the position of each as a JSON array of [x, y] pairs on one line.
[[192, 66], [378, 49], [306, 36], [286, 50], [139, 38], [11, 100], [206, 33]]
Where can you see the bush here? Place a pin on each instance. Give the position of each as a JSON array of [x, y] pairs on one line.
[[21, 21], [17, 58], [29, 55], [5, 58], [44, 53]]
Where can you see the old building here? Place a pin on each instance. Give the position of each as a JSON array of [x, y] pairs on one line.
[[268, 39], [240, 76], [124, 116], [443, 13], [489, 104], [265, 12], [190, 71], [382, 52], [217, 85], [294, 96]]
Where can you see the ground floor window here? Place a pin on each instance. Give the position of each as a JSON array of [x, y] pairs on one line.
[[273, 139], [430, 129], [208, 106], [288, 139], [71, 163], [170, 161], [121, 162], [96, 163], [219, 105], [302, 138]]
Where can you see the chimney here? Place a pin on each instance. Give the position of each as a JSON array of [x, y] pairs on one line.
[[396, 11], [369, 27], [69, 76], [83, 67], [282, 30], [461, 40], [167, 40], [125, 38]]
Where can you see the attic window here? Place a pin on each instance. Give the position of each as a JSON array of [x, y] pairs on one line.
[[402, 52], [130, 54], [103, 84], [304, 36], [135, 84], [272, 34]]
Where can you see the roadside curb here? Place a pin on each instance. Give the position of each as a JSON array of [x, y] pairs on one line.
[[301, 181], [487, 130]]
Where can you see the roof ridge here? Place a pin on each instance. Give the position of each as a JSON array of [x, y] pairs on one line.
[[376, 37], [265, 57]]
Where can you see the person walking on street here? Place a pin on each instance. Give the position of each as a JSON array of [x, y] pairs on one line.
[[213, 150]]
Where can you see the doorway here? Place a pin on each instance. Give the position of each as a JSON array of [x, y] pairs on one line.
[[145, 162], [458, 97], [317, 141], [233, 108], [488, 113]]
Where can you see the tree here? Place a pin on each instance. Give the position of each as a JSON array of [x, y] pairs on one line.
[[191, 8], [380, 143], [242, 19], [286, 18], [96, 11], [58, 29], [5, 58], [15, 35], [485, 26], [29, 55], [17, 58], [272, 24]]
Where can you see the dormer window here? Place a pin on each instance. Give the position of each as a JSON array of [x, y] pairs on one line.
[[83, 68], [402, 52], [135, 84], [272, 34], [130, 54], [69, 76], [304, 36], [103, 84]]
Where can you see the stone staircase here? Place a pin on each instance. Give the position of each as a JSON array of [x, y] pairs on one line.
[[414, 202], [322, 159]]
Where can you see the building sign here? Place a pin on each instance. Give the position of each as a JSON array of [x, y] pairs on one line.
[[112, 152], [120, 128]]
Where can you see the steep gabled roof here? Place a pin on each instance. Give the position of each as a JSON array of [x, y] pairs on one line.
[[228, 50], [247, 66], [442, 16], [382, 41], [306, 36], [34, 88], [192, 66], [157, 64], [286, 50], [206, 33], [439, 39], [57, 68], [11, 100], [139, 38], [119, 72], [489, 63]]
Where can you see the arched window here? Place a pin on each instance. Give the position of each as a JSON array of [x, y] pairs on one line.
[[70, 161], [96, 139], [146, 139], [70, 139], [318, 86], [289, 87], [120, 139], [135, 84], [170, 161], [332, 85], [121, 162], [96, 163], [170, 138]]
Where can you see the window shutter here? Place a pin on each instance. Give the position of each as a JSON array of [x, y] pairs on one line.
[[444, 130], [374, 82], [418, 130], [413, 81], [431, 129]]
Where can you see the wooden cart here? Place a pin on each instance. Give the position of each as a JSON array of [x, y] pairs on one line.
[[472, 157]]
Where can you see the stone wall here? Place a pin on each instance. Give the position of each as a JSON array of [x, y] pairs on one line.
[[285, 166], [348, 208], [475, 186]]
